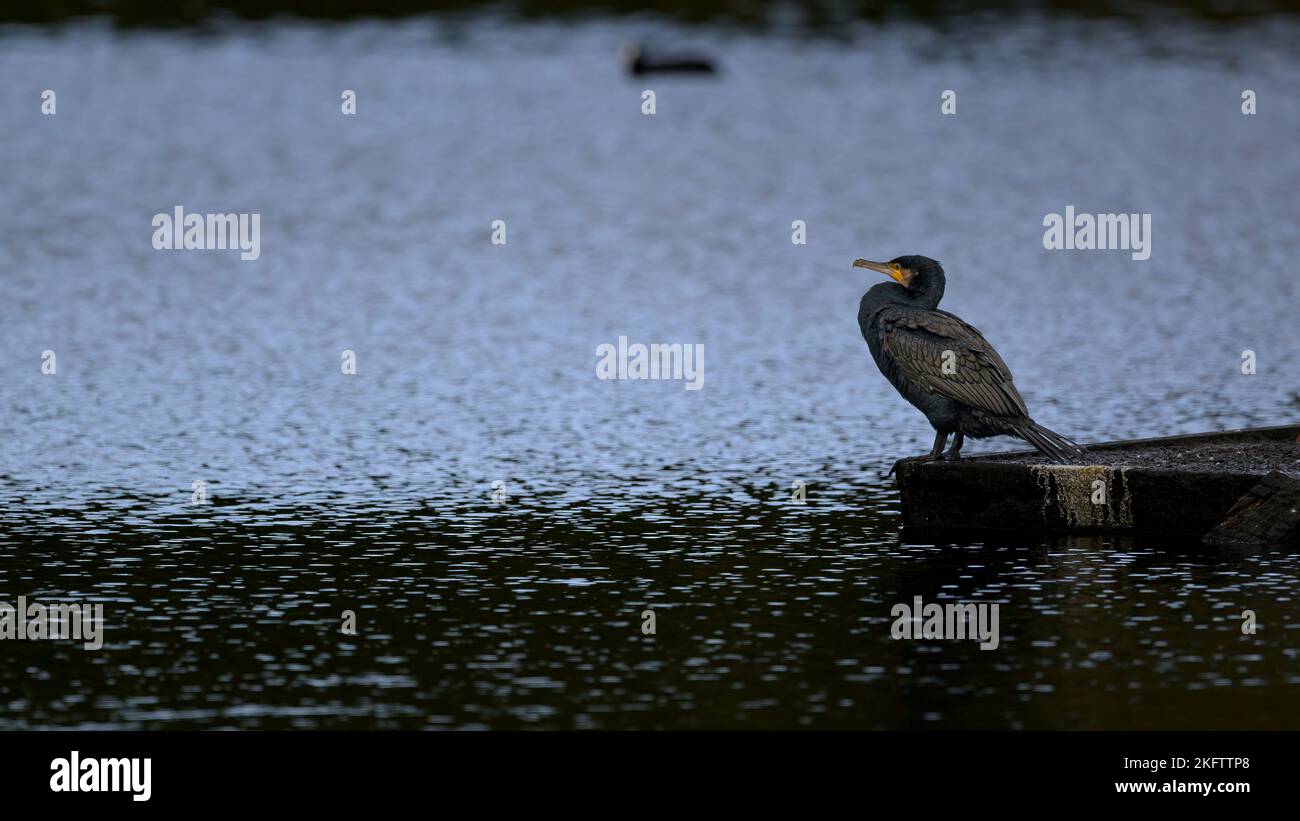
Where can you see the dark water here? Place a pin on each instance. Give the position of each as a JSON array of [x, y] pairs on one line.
[[476, 364]]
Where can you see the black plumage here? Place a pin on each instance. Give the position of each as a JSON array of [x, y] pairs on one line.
[[943, 365]]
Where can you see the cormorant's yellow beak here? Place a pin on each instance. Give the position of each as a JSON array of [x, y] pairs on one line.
[[892, 270]]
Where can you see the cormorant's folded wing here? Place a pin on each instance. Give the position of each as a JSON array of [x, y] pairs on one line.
[[944, 355]]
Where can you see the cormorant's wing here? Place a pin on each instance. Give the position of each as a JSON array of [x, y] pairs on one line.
[[917, 340]]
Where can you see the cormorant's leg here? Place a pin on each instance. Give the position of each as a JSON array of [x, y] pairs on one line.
[[940, 438], [954, 453], [935, 454]]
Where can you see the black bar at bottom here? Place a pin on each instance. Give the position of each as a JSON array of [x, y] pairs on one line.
[[330, 770]]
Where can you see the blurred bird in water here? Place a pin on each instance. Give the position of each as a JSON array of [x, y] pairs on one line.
[[944, 366], [639, 61]]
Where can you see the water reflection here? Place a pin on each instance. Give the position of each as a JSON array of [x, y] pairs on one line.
[[768, 615]]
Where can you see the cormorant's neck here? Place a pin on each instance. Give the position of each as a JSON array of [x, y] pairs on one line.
[[926, 291]]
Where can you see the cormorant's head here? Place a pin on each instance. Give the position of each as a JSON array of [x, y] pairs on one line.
[[913, 272]]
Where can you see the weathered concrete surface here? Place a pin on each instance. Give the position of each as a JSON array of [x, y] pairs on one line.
[[1233, 456], [1269, 514], [1175, 485]]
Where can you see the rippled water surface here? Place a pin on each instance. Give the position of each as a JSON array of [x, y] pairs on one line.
[[476, 363]]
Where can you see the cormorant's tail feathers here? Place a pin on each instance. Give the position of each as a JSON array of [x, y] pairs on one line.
[[1050, 443]]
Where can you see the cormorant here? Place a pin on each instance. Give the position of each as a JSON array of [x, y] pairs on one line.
[[638, 61], [944, 366]]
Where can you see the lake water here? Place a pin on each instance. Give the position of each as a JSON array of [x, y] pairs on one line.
[[475, 364]]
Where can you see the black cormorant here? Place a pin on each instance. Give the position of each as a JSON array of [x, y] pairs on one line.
[[944, 366], [638, 60]]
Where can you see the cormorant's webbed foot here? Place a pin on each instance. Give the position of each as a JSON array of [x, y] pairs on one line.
[[929, 457], [935, 454]]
